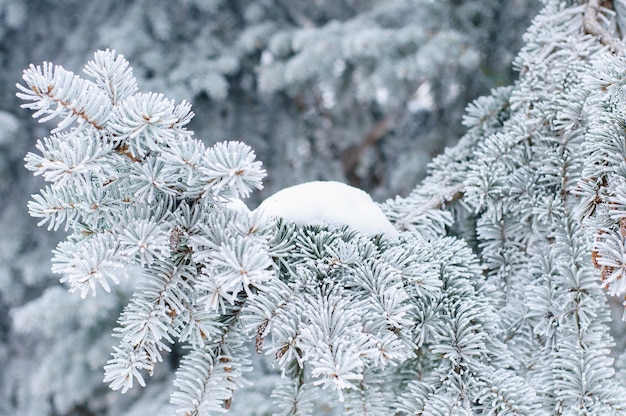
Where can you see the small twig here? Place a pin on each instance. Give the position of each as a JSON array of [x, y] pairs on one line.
[[593, 27], [450, 194]]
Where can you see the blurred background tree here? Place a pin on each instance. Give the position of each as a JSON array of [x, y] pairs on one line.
[[364, 92]]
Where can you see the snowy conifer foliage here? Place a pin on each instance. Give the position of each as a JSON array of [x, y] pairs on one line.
[[336, 308], [541, 156], [485, 298]]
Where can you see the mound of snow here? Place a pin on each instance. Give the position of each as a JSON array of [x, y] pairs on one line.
[[328, 203]]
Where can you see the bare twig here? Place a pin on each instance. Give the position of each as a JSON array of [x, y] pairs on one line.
[[448, 195], [451, 194], [593, 27]]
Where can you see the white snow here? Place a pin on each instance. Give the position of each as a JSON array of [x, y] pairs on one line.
[[237, 205], [328, 203]]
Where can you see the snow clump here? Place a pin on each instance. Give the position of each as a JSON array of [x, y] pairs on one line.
[[328, 203]]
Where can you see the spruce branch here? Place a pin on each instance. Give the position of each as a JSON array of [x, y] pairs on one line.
[[113, 75], [55, 92]]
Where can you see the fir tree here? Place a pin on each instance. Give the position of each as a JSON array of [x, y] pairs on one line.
[[485, 299], [215, 53], [176, 48]]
